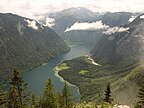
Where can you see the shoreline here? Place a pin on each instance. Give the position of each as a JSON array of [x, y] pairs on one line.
[[62, 80]]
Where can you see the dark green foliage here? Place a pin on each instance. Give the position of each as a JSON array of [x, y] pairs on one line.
[[140, 103], [67, 97], [17, 95], [2, 96], [138, 106], [108, 98], [24, 47], [49, 99], [60, 100], [35, 101], [92, 84]]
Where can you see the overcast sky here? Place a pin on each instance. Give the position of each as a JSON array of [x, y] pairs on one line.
[[31, 7]]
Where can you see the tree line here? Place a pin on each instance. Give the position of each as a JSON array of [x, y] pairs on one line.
[[17, 96]]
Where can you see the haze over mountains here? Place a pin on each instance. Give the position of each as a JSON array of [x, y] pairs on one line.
[[117, 41], [67, 23]]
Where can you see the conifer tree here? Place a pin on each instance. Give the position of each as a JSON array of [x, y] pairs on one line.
[[108, 98], [35, 101], [141, 96], [17, 96], [60, 100], [67, 97], [49, 99], [2, 95]]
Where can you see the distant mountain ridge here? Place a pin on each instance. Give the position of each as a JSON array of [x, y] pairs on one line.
[[25, 44], [66, 18]]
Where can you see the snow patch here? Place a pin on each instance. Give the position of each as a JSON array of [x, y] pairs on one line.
[[32, 24]]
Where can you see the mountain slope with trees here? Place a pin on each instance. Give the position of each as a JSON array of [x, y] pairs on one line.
[[25, 44], [120, 56], [16, 96]]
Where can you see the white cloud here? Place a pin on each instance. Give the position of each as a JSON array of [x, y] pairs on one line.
[[50, 22], [32, 24], [132, 18], [142, 17], [44, 20], [113, 30], [29, 8], [98, 25]]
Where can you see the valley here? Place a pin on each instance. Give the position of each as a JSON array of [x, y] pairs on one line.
[[98, 55], [36, 78], [120, 56]]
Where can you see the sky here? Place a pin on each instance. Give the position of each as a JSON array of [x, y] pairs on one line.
[[28, 8]]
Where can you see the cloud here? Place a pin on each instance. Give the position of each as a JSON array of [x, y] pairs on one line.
[[98, 25], [142, 17], [28, 8], [132, 18], [32, 24], [113, 30], [45, 20], [50, 22]]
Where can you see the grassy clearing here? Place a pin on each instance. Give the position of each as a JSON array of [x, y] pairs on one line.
[[83, 71], [62, 66]]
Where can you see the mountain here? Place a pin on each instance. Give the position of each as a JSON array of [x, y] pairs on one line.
[[123, 46], [120, 63], [25, 44], [66, 18], [78, 13], [117, 18]]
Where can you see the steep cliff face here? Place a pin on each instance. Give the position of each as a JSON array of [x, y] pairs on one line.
[[24, 44], [123, 46]]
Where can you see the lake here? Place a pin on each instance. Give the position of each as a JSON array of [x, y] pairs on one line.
[[37, 77]]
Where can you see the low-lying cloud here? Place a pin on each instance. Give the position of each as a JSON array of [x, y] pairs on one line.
[[32, 24], [113, 30], [50, 22], [98, 25], [132, 18], [142, 17], [45, 20]]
